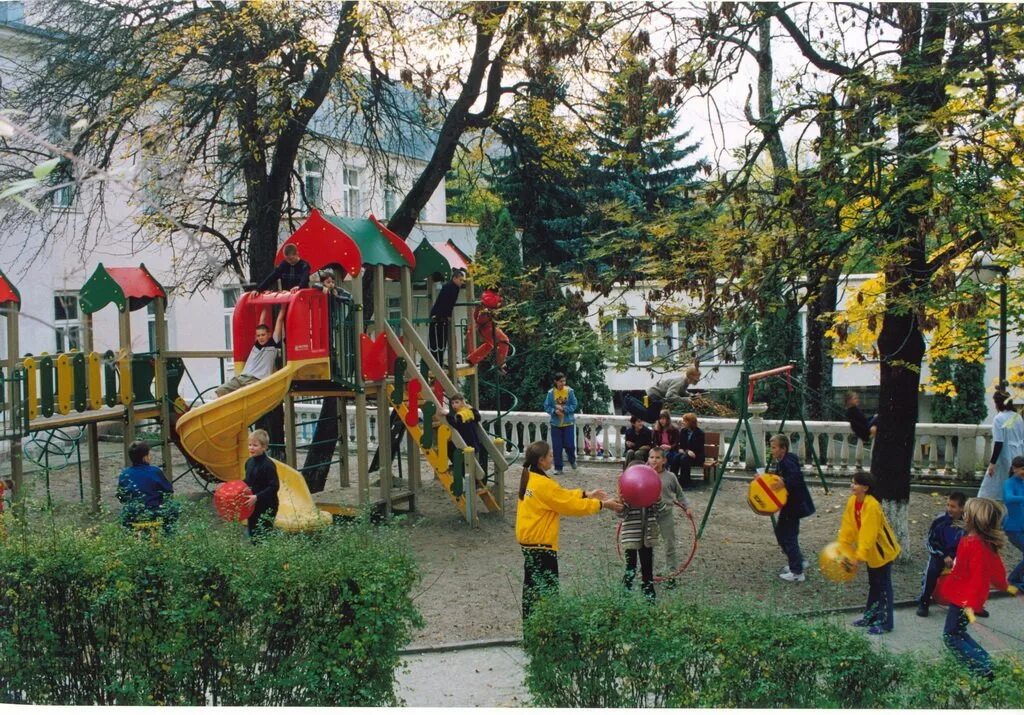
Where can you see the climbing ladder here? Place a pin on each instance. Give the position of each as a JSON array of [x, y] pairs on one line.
[[462, 468]]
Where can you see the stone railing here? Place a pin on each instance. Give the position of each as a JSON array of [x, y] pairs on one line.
[[941, 452]]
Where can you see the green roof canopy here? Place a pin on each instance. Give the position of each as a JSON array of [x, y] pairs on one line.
[[374, 245], [430, 263], [128, 288]]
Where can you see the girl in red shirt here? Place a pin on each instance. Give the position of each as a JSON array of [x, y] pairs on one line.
[[965, 589]]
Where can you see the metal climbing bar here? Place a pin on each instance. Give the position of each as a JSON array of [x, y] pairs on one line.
[[787, 370]]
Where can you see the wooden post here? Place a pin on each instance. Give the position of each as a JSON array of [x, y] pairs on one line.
[[343, 441], [412, 449], [160, 319], [124, 320], [362, 418], [471, 344], [469, 484], [92, 429], [289, 430], [14, 396], [380, 318]]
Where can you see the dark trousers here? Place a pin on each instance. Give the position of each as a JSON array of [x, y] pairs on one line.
[[635, 455], [878, 611], [262, 522], [1016, 576], [646, 554], [787, 533], [965, 648], [681, 465], [437, 338], [540, 576], [931, 575], [563, 438], [636, 407]]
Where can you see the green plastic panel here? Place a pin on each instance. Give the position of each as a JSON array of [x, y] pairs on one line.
[[80, 389], [430, 263], [46, 383]]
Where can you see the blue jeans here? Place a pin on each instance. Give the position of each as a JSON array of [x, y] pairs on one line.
[[931, 574], [965, 648], [1016, 576], [563, 438], [878, 612], [787, 533]]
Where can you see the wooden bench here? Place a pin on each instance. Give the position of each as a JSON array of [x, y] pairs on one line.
[[712, 445]]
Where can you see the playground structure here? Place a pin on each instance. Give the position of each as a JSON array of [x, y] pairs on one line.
[[383, 367]]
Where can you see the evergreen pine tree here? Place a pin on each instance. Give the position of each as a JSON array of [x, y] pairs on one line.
[[641, 171]]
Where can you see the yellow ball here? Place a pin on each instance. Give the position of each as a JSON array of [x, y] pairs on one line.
[[767, 494], [838, 562]]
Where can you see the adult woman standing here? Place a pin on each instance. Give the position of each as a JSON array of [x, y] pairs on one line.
[[542, 503], [1007, 443]]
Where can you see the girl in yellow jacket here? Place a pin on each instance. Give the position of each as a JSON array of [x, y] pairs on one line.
[[542, 503], [866, 530]]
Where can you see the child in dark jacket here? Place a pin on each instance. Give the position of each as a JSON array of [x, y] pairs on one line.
[[798, 505], [464, 418], [977, 567], [943, 538], [638, 439], [145, 491], [261, 477]]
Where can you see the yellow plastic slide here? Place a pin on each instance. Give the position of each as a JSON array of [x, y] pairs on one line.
[[216, 436]]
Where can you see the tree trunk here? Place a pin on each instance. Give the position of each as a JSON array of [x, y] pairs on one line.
[[818, 356]]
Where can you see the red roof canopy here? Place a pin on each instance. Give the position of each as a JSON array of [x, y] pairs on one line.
[[323, 244], [8, 293]]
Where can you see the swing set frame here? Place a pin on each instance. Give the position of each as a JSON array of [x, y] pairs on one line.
[[745, 393]]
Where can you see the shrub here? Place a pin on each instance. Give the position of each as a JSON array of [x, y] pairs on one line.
[[100, 616], [612, 649]]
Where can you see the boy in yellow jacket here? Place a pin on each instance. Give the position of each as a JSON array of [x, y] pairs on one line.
[[866, 530]]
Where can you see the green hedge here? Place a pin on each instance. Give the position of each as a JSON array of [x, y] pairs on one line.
[[103, 617], [610, 649]]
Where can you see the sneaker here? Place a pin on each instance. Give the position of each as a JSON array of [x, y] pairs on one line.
[[793, 577], [558, 472], [878, 630], [861, 623], [981, 613], [575, 469], [785, 569], [922, 610]]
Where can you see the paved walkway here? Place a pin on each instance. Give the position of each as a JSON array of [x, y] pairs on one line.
[[493, 676]]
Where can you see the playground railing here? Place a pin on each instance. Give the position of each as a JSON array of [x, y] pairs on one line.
[[943, 452]]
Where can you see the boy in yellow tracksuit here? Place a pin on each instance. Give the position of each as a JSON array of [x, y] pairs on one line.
[[542, 503], [866, 530]]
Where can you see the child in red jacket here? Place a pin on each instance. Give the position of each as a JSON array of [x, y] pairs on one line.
[[965, 588]]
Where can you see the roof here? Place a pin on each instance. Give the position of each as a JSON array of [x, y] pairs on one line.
[[350, 242], [430, 263], [321, 244], [128, 288], [400, 124], [8, 293]]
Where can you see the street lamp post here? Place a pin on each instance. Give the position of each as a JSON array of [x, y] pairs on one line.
[[987, 272]]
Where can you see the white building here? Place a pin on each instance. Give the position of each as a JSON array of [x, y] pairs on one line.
[[646, 344]]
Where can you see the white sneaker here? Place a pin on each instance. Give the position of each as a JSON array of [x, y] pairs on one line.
[[785, 569], [574, 468], [796, 577]]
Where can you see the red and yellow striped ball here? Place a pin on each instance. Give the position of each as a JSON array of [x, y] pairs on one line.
[[767, 494]]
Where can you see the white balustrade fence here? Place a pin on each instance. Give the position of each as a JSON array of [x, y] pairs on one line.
[[942, 451]]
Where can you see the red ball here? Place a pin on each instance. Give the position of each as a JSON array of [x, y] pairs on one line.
[[640, 485], [230, 501]]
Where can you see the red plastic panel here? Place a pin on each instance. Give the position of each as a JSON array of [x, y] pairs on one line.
[[412, 416], [321, 244], [305, 327], [375, 356]]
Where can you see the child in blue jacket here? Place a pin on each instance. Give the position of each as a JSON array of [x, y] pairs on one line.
[[560, 403], [943, 538], [145, 491]]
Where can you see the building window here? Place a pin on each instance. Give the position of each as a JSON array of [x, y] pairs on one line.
[[66, 322], [231, 295], [351, 194], [231, 188], [394, 310], [151, 324], [312, 182], [62, 177], [390, 202]]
